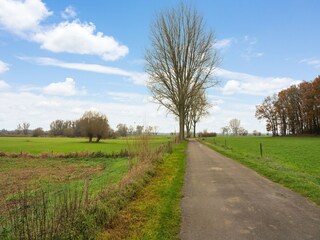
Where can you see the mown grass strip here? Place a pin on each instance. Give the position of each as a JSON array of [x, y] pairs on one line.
[[155, 213], [300, 175]]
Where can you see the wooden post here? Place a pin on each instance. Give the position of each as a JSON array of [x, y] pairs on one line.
[[261, 150]]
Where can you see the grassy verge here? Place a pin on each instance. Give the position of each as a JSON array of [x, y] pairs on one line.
[[292, 162], [155, 212]]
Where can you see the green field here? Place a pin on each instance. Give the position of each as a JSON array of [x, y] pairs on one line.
[[291, 161], [64, 145], [108, 182]]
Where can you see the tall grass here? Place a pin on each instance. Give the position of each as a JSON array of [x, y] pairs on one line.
[[72, 213]]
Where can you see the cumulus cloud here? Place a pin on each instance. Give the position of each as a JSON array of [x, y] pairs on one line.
[[4, 85], [138, 78], [253, 85], [66, 88], [25, 18], [69, 13], [223, 43], [21, 17], [3, 67], [80, 38]]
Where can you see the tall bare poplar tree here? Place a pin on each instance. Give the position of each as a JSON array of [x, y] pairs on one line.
[[180, 61]]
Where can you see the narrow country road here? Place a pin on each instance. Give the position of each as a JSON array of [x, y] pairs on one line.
[[225, 200]]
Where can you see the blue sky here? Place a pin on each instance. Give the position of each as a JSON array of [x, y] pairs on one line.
[[61, 58]]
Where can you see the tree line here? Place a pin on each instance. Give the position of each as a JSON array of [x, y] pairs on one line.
[[295, 110], [91, 125]]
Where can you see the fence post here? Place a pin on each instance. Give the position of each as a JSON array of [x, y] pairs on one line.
[[261, 150]]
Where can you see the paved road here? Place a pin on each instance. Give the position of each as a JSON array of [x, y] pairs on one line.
[[225, 200]]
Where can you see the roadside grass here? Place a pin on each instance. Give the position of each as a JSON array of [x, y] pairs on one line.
[[291, 161], [155, 212], [64, 145]]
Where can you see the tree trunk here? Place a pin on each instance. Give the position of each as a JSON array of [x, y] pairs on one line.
[[98, 139], [194, 129], [181, 127]]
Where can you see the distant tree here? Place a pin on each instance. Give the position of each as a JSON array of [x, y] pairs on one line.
[[139, 129], [181, 60], [243, 132], [94, 124], [225, 130], [234, 125], [57, 127], [25, 128], [19, 129], [122, 130], [268, 111], [38, 132], [131, 130], [198, 109], [255, 133], [155, 130]]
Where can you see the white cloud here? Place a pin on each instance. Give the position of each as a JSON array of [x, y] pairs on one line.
[[223, 43], [253, 85], [80, 38], [138, 78], [69, 13], [66, 88], [21, 17], [4, 85], [231, 87], [40, 110], [25, 18], [311, 61], [3, 67]]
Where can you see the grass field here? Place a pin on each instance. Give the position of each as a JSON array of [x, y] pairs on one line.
[[108, 182], [291, 161], [52, 175], [64, 145]]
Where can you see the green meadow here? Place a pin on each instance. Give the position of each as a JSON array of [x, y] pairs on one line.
[[65, 145], [291, 161]]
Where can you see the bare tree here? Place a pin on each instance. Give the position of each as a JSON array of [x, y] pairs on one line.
[[225, 130], [181, 60], [94, 124], [234, 126], [199, 108], [25, 127], [19, 129]]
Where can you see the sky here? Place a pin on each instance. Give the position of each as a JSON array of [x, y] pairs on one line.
[[59, 59]]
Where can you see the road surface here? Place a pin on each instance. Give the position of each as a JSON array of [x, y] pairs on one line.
[[225, 200]]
